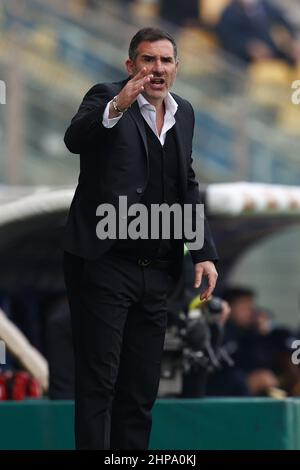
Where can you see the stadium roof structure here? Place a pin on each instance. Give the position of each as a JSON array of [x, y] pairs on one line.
[[253, 199], [242, 214]]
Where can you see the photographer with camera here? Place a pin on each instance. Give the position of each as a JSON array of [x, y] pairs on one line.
[[203, 339]]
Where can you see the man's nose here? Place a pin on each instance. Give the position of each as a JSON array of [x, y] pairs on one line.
[[158, 67]]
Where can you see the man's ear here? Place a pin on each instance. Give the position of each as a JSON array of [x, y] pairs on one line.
[[129, 66]]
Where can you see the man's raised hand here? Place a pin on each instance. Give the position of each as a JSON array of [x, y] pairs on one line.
[[133, 88]]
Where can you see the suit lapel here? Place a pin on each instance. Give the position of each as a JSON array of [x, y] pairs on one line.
[[135, 113]]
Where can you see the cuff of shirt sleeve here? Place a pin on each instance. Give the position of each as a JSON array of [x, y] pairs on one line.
[[109, 122]]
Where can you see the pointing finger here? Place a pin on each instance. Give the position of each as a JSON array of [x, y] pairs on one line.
[[140, 74], [210, 288]]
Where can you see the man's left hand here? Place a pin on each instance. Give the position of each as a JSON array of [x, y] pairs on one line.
[[206, 269]]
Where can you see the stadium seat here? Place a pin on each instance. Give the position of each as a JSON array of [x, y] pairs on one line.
[[142, 9], [210, 11], [289, 118], [270, 72], [191, 40], [267, 81], [44, 41]]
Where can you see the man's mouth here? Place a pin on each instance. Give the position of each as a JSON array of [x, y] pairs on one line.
[[157, 82]]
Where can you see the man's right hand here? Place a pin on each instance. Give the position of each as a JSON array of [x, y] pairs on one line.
[[130, 92]]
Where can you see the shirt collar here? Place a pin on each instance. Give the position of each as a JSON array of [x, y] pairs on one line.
[[170, 104]]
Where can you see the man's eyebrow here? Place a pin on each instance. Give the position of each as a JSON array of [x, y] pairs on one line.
[[150, 56]]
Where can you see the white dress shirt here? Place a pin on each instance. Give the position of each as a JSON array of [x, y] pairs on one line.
[[148, 112]]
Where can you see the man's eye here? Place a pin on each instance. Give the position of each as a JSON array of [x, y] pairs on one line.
[[148, 59]]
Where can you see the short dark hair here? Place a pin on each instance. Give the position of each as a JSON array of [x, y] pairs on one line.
[[231, 294], [151, 35]]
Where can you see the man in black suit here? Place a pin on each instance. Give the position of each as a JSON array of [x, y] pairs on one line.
[[135, 140]]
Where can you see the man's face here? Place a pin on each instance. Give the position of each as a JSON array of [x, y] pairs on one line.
[[158, 58], [242, 311]]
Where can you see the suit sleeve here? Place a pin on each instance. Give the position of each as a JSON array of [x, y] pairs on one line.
[[86, 125], [208, 252]]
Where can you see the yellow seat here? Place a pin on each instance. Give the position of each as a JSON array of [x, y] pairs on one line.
[[270, 71], [142, 9], [43, 40], [191, 38], [296, 72], [269, 81], [289, 119], [191, 41], [211, 10]]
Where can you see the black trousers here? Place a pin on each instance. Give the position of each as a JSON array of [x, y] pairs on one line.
[[119, 317]]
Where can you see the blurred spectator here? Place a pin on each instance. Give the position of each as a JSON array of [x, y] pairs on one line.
[[261, 351], [255, 30], [263, 320], [249, 375], [180, 12], [278, 340], [232, 381]]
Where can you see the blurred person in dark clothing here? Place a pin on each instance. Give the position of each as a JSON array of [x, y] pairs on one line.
[[275, 349], [255, 30], [251, 374], [180, 12], [260, 348]]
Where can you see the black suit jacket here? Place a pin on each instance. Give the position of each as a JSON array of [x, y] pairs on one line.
[[114, 162]]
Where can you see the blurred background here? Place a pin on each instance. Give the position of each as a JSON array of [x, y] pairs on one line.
[[238, 61]]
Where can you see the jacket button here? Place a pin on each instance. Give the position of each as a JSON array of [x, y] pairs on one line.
[[139, 190]]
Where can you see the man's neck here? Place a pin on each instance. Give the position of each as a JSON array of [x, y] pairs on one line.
[[158, 104]]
